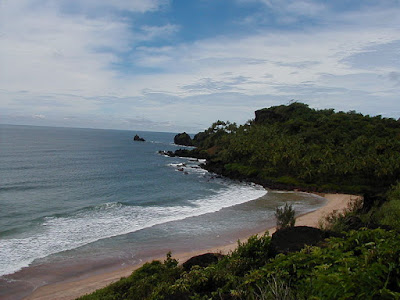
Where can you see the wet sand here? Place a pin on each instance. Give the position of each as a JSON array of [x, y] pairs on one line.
[[81, 286]]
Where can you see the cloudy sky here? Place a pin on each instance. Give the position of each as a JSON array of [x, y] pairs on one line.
[[174, 65]]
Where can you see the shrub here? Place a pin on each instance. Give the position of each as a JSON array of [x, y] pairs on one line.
[[389, 213], [285, 216], [141, 283], [363, 264], [289, 181], [336, 220], [244, 170]]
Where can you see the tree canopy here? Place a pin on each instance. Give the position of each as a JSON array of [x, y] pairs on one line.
[[300, 146]]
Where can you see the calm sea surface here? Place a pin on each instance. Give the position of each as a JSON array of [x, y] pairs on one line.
[[86, 199]]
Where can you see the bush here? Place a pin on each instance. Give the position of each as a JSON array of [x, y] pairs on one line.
[[142, 283], [389, 213], [338, 221], [240, 169], [289, 181], [363, 264], [285, 216]]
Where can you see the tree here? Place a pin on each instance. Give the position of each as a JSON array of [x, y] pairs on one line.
[[285, 216]]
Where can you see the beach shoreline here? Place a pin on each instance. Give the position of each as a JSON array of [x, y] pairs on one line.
[[80, 286]]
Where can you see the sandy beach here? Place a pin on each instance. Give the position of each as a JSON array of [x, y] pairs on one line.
[[82, 286]]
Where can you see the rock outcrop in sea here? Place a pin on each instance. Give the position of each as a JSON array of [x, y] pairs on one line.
[[138, 139], [183, 139]]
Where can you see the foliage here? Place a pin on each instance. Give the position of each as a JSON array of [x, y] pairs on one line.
[[362, 264], [142, 283], [285, 216], [275, 288], [166, 280], [336, 220], [315, 149], [389, 213], [303, 147]]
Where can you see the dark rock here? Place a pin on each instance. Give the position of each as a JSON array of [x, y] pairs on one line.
[[183, 139], [203, 260], [293, 239], [167, 153], [138, 139]]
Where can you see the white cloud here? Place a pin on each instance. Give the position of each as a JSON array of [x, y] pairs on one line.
[[47, 51], [313, 53], [295, 7], [152, 32], [61, 65]]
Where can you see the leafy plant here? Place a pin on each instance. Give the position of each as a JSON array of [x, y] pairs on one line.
[[336, 220], [389, 213], [285, 216]]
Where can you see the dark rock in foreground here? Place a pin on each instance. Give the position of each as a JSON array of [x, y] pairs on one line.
[[183, 139], [138, 139], [203, 260], [293, 239]]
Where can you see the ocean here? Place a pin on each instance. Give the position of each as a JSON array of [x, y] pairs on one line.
[[79, 201]]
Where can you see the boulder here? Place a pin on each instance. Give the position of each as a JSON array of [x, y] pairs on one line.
[[203, 260], [138, 139], [293, 239], [183, 139]]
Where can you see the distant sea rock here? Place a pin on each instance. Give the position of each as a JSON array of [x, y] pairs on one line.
[[183, 139], [138, 139]]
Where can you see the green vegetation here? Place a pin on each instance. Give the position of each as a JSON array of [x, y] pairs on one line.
[[294, 146], [389, 213], [285, 216], [360, 265]]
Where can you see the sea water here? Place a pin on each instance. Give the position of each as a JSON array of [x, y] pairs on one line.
[[69, 196]]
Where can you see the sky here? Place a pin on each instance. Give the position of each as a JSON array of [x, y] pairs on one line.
[[180, 65]]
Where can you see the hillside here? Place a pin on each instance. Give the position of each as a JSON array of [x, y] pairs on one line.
[[295, 146]]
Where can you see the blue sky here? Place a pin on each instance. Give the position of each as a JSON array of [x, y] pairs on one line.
[[166, 65]]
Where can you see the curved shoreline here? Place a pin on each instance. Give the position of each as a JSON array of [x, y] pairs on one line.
[[73, 289]]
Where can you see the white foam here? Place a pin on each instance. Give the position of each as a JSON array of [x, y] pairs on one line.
[[64, 233]]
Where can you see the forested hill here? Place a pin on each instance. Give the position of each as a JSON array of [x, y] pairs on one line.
[[295, 146]]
